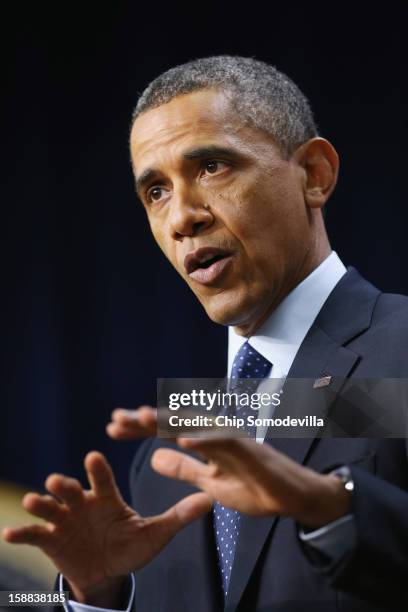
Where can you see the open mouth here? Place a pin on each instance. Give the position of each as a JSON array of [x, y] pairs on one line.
[[205, 264], [203, 258], [209, 262]]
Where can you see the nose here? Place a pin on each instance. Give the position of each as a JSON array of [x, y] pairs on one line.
[[188, 214]]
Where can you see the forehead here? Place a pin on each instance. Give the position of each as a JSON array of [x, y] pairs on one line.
[[203, 117]]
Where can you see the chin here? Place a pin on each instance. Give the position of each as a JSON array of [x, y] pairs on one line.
[[229, 310]]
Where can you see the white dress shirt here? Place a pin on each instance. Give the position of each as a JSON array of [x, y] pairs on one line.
[[280, 337]]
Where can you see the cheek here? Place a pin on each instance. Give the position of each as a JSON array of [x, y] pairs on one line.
[[170, 249], [157, 234], [268, 219], [253, 213], [160, 237]]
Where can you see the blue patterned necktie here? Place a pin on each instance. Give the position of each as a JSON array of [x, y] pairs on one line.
[[248, 365]]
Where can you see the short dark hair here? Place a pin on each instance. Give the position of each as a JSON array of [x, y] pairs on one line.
[[264, 96]]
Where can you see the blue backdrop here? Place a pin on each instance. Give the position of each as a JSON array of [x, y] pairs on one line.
[[92, 311]]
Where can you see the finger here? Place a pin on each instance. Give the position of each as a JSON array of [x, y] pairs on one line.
[[180, 466], [186, 510], [100, 475], [68, 489], [44, 507], [127, 424], [230, 452], [229, 444], [244, 457], [36, 535], [120, 431], [144, 416]]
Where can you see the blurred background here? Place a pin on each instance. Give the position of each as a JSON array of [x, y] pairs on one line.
[[92, 313]]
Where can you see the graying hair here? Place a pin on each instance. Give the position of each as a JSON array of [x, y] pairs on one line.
[[264, 96]]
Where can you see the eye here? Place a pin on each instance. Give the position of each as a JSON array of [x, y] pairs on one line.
[[213, 166], [154, 194]]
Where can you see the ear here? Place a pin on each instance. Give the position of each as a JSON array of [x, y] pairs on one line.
[[320, 164]]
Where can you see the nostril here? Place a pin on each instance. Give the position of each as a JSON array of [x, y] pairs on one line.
[[199, 225]]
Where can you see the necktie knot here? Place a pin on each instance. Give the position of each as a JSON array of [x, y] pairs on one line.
[[248, 363], [248, 368]]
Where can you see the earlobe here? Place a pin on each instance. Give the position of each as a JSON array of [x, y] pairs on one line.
[[320, 163]]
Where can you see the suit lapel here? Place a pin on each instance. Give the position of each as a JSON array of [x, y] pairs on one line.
[[346, 314]]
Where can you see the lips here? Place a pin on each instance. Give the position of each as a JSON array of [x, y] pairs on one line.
[[206, 264]]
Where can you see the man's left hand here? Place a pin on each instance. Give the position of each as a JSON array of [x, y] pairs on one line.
[[256, 479]]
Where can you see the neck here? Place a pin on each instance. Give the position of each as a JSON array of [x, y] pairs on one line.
[[312, 259]]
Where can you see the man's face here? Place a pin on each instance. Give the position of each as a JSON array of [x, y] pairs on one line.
[[223, 204]]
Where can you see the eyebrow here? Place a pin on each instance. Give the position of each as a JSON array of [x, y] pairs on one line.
[[209, 151], [146, 176], [192, 154]]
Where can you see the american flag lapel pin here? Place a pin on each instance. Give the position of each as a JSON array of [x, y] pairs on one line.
[[323, 381]]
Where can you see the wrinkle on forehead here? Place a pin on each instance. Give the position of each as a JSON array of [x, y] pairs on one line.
[[198, 115]]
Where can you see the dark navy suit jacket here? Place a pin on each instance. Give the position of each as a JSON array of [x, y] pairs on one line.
[[360, 332]]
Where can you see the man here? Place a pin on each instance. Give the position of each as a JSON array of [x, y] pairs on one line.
[[234, 177]]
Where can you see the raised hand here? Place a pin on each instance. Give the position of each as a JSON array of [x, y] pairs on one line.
[[255, 479], [131, 424], [93, 537]]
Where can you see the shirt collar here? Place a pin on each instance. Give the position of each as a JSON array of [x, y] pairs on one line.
[[281, 335]]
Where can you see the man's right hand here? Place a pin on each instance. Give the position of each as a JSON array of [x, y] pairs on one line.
[[93, 537]]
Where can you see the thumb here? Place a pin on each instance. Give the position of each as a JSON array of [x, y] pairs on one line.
[[184, 512]]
